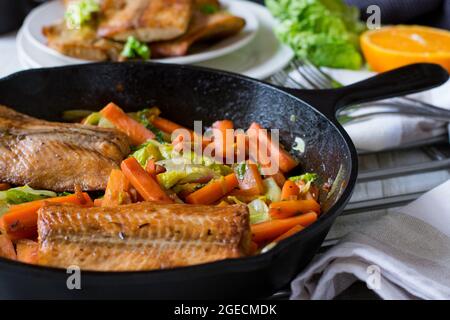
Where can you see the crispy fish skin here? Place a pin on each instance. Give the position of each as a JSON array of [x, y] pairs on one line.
[[56, 156], [203, 27], [147, 20], [142, 236]]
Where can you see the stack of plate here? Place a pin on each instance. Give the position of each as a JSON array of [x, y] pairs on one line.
[[254, 52]]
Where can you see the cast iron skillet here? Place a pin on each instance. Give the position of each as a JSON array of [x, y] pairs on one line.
[[186, 93]]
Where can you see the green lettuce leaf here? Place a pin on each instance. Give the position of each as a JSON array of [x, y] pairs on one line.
[[324, 31]]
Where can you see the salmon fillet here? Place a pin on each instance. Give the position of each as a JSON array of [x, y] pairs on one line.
[[141, 236], [203, 27], [56, 156], [147, 20]]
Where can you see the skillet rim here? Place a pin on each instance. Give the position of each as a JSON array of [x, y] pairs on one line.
[[228, 265]]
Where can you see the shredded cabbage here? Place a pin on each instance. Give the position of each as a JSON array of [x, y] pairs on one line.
[[307, 177], [259, 211], [273, 191], [24, 194], [147, 151]]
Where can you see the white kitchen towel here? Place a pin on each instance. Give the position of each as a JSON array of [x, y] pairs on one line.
[[405, 255], [390, 131]]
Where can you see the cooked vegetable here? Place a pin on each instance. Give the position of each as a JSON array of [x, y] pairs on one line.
[[20, 221], [166, 125], [289, 233], [250, 179], [307, 177], [154, 169], [27, 251], [287, 209], [279, 178], [93, 119], [24, 194], [145, 117], [259, 211], [186, 174], [75, 115], [116, 192], [285, 161], [147, 187], [7, 248], [135, 49], [324, 31], [273, 191], [136, 131], [147, 151], [290, 191], [79, 13], [268, 231], [209, 8], [213, 191], [223, 145]]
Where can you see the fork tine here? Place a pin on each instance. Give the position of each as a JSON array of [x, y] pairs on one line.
[[312, 72], [298, 66], [332, 82]]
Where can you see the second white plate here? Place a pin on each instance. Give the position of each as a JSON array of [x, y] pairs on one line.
[[53, 11]]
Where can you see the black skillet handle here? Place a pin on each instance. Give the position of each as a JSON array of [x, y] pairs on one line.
[[399, 82]]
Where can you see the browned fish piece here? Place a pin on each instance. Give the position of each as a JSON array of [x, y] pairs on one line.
[[81, 43], [147, 20], [141, 236], [203, 26], [57, 156]]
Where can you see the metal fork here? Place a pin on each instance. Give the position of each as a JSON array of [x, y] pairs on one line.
[[303, 74]]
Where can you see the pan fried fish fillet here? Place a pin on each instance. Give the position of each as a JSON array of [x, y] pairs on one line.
[[203, 27], [81, 43], [56, 156], [141, 236], [147, 20]]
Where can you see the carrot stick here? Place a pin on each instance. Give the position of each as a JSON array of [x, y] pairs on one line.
[[27, 251], [270, 230], [222, 146], [290, 191], [289, 233], [4, 186], [287, 209], [147, 187], [213, 191], [166, 125], [116, 192], [252, 182], [7, 248], [98, 202], [21, 219], [285, 161], [133, 129]]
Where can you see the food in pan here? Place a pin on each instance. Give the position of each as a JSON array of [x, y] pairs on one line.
[[117, 30], [164, 196]]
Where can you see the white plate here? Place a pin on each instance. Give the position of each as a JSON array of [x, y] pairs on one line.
[[53, 11], [263, 57]]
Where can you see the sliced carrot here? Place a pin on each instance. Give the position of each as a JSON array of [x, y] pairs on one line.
[[285, 161], [270, 230], [145, 185], [154, 169], [213, 191], [4, 186], [166, 125], [252, 181], [7, 248], [223, 147], [27, 251], [21, 220], [116, 192], [137, 132], [98, 202], [290, 191], [289, 233], [287, 209]]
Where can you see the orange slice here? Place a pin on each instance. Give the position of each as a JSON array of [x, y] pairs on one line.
[[392, 47]]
